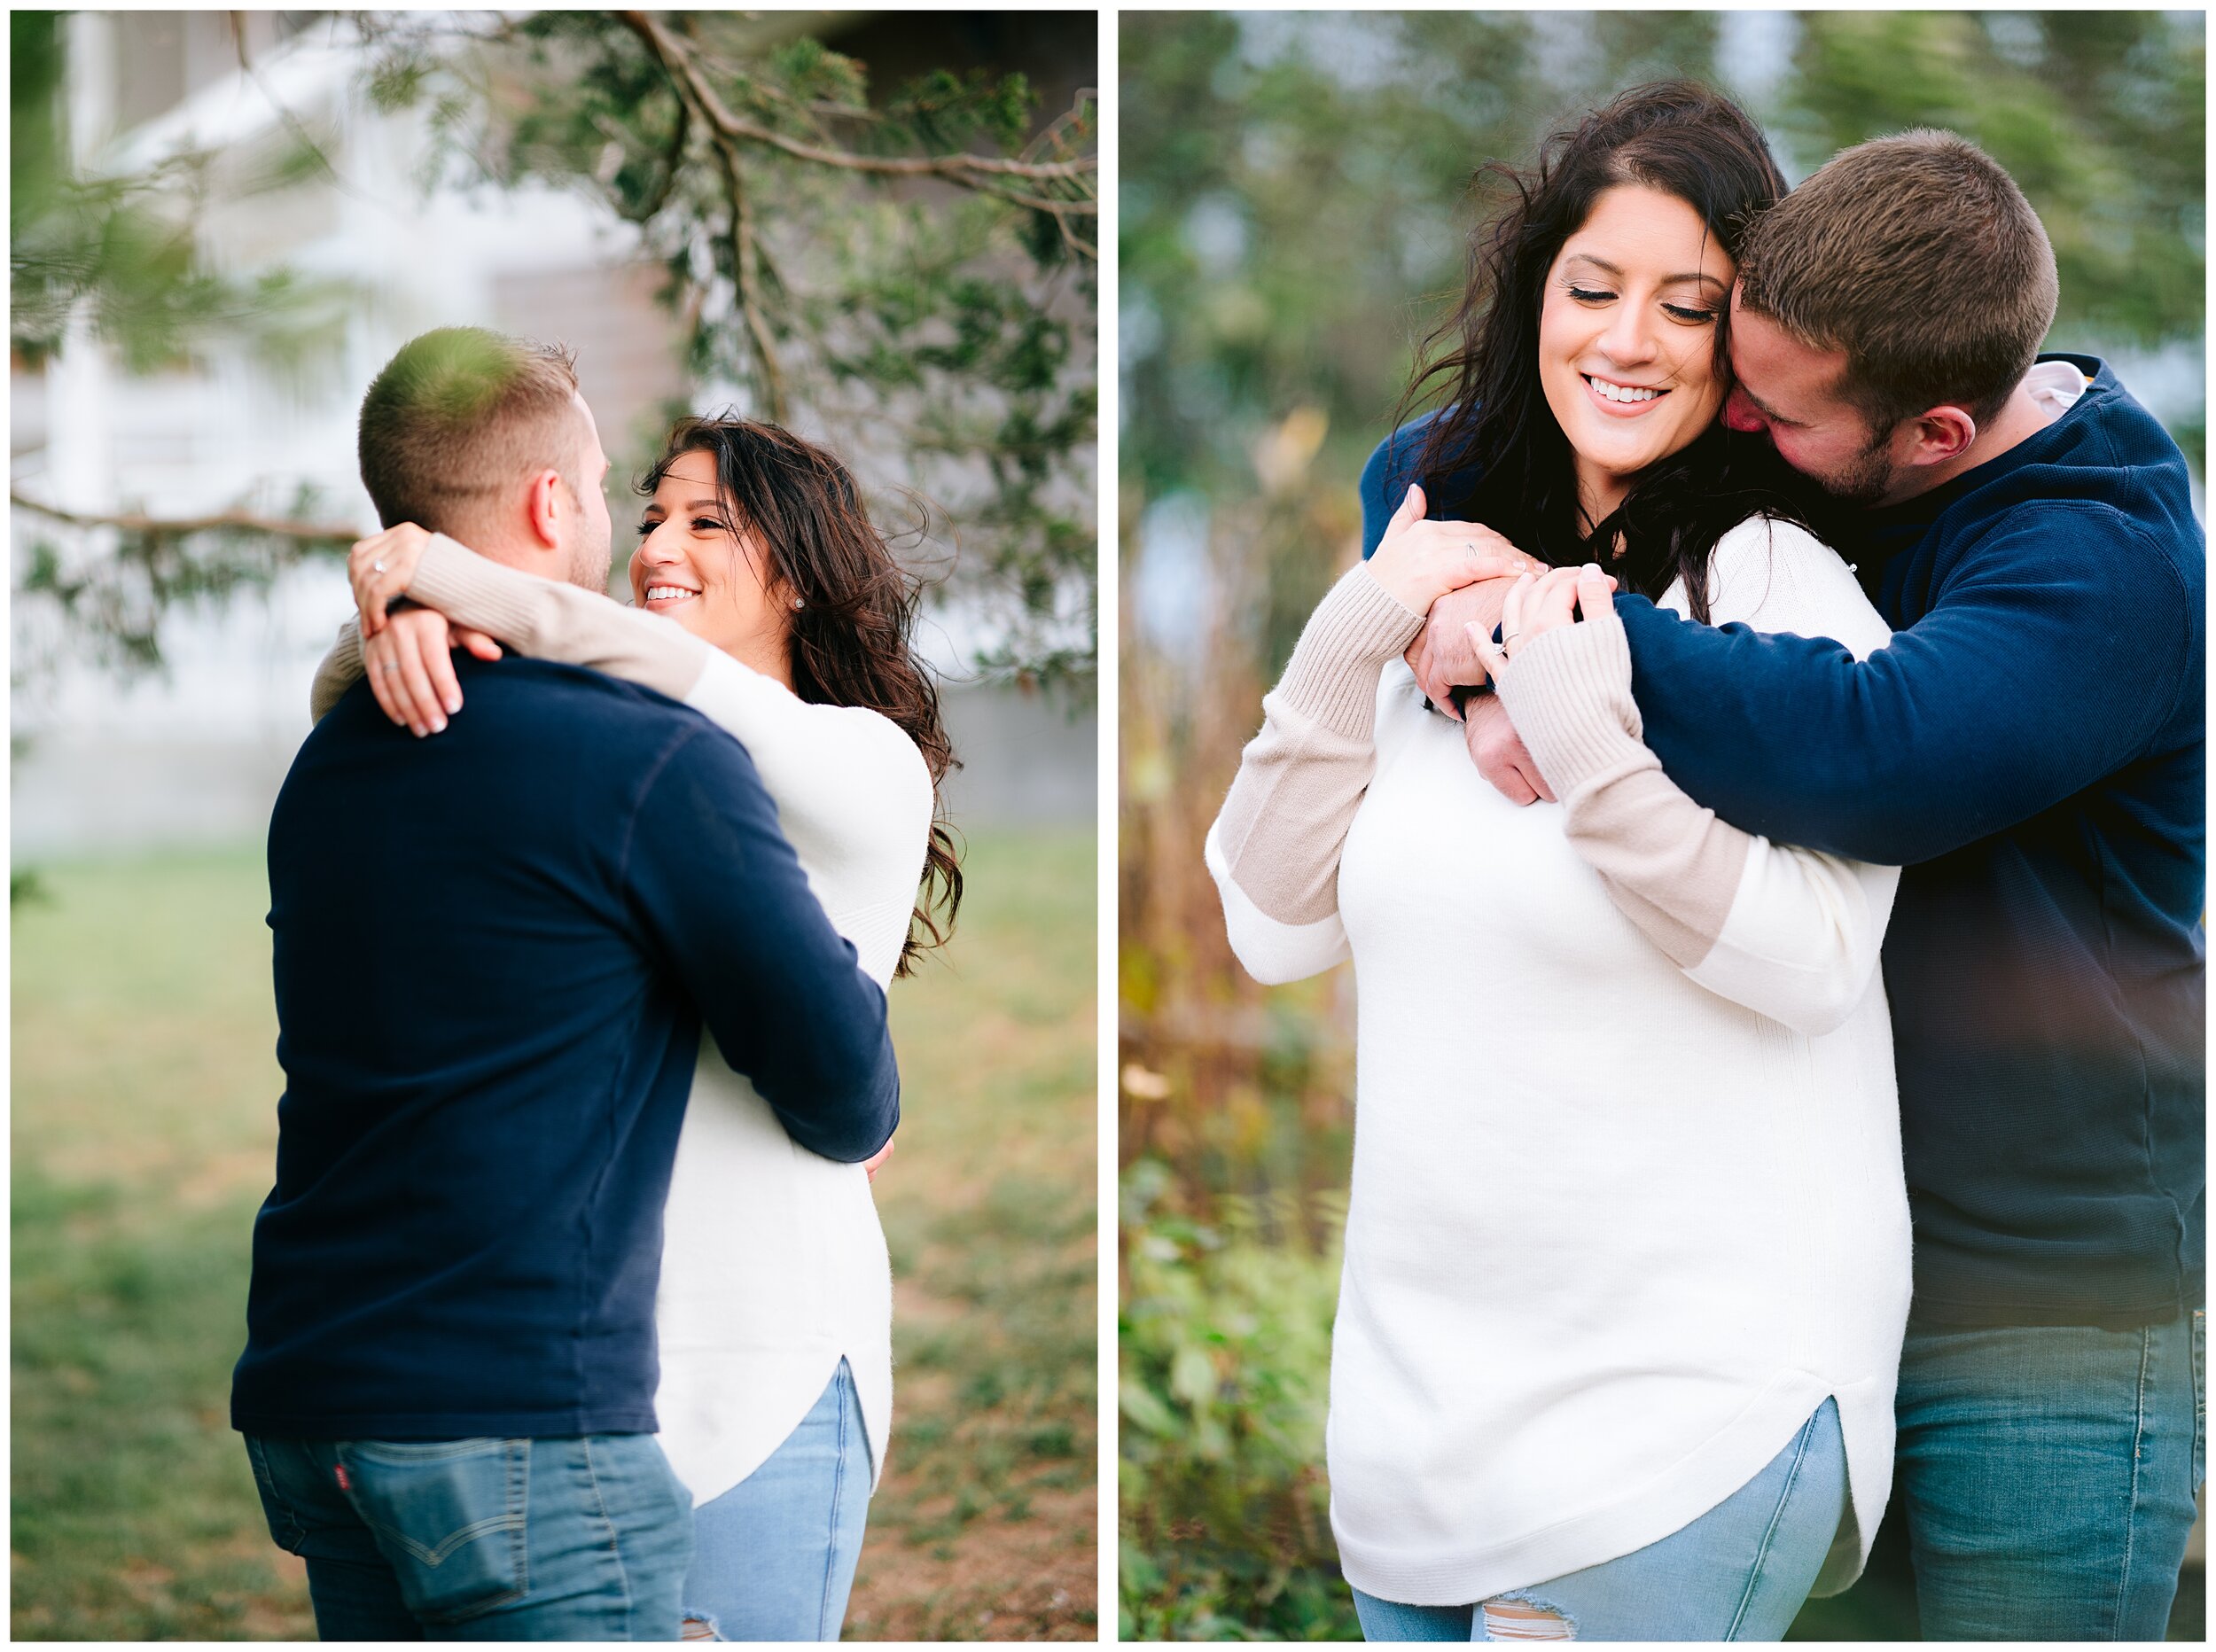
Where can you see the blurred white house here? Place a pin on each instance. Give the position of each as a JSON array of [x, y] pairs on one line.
[[198, 753]]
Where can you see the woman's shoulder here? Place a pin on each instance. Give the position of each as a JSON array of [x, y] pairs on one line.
[[871, 738], [1776, 575]]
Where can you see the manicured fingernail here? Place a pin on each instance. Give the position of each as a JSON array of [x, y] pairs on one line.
[[453, 705], [1592, 567], [438, 725]]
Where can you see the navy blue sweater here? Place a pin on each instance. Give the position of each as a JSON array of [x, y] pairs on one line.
[[2030, 747], [495, 950]]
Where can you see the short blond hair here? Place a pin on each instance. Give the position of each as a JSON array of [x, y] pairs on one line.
[[1918, 257], [460, 414]]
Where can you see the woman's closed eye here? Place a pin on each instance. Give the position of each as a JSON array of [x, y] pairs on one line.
[[1690, 315]]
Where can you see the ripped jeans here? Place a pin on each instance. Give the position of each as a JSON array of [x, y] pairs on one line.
[[1740, 1572], [773, 1558]]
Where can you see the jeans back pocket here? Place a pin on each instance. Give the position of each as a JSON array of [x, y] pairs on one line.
[[448, 1516]]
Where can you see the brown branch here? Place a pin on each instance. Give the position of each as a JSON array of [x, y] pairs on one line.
[[743, 259], [235, 521], [970, 171]]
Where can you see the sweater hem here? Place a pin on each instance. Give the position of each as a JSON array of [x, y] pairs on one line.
[[709, 1473], [1673, 1499]]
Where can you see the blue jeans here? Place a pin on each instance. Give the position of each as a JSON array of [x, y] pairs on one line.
[[579, 1538], [1737, 1573], [2047, 1474], [773, 1558]]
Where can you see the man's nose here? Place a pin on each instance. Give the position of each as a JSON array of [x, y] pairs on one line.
[[1740, 414]]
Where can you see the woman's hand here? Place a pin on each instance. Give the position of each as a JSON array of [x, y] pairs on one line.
[[1419, 562], [380, 567], [411, 670], [877, 1158], [1536, 606]]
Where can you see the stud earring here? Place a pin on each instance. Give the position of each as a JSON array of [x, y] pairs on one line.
[[798, 604]]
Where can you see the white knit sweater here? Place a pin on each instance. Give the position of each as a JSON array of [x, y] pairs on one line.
[[774, 1266], [1628, 1199]]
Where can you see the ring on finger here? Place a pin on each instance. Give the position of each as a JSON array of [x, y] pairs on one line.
[[377, 567], [386, 665]]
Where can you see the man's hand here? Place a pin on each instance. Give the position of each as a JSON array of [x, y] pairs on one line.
[[1441, 656], [411, 671], [1498, 751]]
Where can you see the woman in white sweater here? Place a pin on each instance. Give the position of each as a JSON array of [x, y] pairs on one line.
[[1626, 1258], [766, 600]]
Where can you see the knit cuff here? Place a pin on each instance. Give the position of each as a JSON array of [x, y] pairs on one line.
[[470, 591], [1332, 675], [1568, 691]]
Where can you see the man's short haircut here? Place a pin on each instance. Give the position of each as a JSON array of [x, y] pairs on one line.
[[1918, 257], [458, 417]]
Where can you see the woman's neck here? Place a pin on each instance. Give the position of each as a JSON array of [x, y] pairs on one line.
[[1599, 492], [771, 656]]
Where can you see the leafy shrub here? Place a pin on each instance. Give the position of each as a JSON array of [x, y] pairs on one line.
[[1226, 1346]]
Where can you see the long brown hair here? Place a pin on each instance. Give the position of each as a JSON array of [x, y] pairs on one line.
[[851, 634], [1494, 452]]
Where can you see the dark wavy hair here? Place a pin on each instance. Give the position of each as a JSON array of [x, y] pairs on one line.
[[1682, 139], [851, 634]]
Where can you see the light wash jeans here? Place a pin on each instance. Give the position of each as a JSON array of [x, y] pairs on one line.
[[1739, 1572], [773, 1558], [2048, 1474], [585, 1538]]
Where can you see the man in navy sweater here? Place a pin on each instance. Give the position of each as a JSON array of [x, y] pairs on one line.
[[495, 952], [2031, 748]]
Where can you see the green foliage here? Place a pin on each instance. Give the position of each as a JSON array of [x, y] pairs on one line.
[[913, 283], [1226, 1341], [941, 337]]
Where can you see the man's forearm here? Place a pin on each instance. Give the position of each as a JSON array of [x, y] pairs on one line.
[[1973, 719]]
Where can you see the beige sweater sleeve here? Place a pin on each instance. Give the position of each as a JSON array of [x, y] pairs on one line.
[[1300, 780], [341, 670], [543, 618], [1791, 932]]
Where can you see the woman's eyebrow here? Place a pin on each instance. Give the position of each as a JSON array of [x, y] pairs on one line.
[[1602, 265]]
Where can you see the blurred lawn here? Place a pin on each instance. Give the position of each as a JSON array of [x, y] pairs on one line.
[[145, 1087]]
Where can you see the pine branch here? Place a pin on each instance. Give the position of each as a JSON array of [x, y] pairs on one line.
[[177, 527], [976, 172]]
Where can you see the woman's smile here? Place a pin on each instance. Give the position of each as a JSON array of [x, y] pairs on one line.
[[1620, 400]]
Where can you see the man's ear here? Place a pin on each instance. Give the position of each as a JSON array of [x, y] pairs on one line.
[[1940, 433], [546, 509]]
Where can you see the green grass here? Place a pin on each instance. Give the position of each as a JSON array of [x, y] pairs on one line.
[[144, 1089], [984, 1525]]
